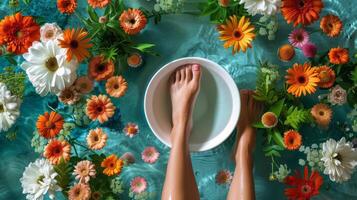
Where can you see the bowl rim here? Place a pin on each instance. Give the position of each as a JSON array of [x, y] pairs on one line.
[[232, 87]]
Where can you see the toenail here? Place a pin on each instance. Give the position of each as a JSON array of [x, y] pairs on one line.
[[196, 67]]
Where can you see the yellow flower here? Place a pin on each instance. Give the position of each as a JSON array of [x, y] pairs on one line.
[[112, 165]]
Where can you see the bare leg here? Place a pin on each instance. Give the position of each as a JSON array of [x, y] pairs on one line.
[[242, 186], [180, 181]]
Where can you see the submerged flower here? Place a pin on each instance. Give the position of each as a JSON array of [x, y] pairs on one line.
[[79, 191], [103, 19], [340, 159], [49, 124], [132, 21], [83, 85], [237, 34], [304, 187], [47, 68], [224, 177], [84, 170], [302, 79], [100, 108], [131, 129], [138, 185], [302, 12], [134, 60], [338, 56], [97, 139], [100, 69], [327, 76], [150, 155], [224, 3], [309, 50], [50, 31], [337, 96], [286, 52], [9, 108], [76, 43], [292, 140], [269, 119], [128, 158], [67, 6], [57, 150], [299, 37], [38, 179], [98, 3], [18, 32], [262, 7], [116, 86], [112, 165], [282, 173], [331, 25], [69, 96], [322, 114]]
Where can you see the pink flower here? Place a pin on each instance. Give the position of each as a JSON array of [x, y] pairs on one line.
[[131, 129], [309, 50], [223, 177], [84, 170], [299, 37], [79, 191], [337, 96], [128, 158], [50, 31], [150, 155], [138, 185]]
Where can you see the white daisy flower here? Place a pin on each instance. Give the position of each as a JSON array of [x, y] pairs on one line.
[[340, 159], [263, 7], [38, 179], [9, 108], [48, 69]]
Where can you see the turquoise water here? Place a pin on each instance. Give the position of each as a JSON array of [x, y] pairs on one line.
[[178, 36]]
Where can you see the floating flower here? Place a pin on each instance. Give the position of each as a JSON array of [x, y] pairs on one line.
[[97, 139], [237, 34], [103, 19], [128, 158], [224, 3], [100, 108], [99, 69], [57, 150], [67, 6], [299, 37], [326, 75], [302, 12], [338, 56], [18, 32], [83, 85], [46, 66], [309, 50], [131, 129], [132, 21], [150, 155], [98, 3], [138, 185], [269, 120], [38, 179], [302, 79], [79, 191], [262, 7], [286, 52], [112, 165], [224, 177], [9, 108], [337, 96], [69, 96], [322, 114], [49, 124], [116, 86], [303, 187], [292, 140], [50, 31], [340, 159], [84, 170], [76, 43], [134, 60], [331, 25]]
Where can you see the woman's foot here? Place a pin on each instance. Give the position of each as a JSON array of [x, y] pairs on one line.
[[184, 87]]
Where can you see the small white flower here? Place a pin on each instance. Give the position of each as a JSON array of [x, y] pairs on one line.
[[50, 31], [48, 69], [339, 158], [302, 162], [337, 96], [282, 172], [38, 179], [9, 108], [263, 7]]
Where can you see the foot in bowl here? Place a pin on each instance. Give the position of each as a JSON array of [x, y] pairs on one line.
[[184, 87]]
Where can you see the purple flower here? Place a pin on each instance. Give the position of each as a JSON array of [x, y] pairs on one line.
[[299, 37], [309, 50]]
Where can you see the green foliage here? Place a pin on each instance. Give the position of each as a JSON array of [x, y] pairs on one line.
[[296, 116], [265, 87], [354, 76], [277, 107], [64, 171], [273, 150], [15, 81], [11, 135]]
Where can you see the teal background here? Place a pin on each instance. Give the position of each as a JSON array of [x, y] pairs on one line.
[[179, 36]]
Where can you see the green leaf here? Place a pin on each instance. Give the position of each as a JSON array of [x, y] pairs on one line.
[[278, 139], [63, 178], [143, 47], [258, 125], [92, 14], [295, 117], [354, 76], [277, 107]]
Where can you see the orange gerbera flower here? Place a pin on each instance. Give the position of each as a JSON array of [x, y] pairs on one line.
[[302, 79], [76, 43], [327, 76], [269, 120], [301, 11], [286, 52], [67, 6], [57, 150], [100, 108], [49, 124], [99, 69], [116, 86], [98, 3], [112, 165], [132, 21], [96, 139], [18, 32], [292, 140], [322, 114], [331, 25], [338, 56]]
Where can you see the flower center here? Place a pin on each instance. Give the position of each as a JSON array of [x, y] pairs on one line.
[[40, 179], [330, 25], [50, 125], [324, 77], [291, 140], [74, 44], [132, 21], [338, 157], [238, 34], [51, 64], [301, 79], [306, 189], [2, 108], [321, 113], [101, 68], [49, 34], [99, 109], [301, 3], [96, 138], [57, 150], [299, 37], [116, 86]]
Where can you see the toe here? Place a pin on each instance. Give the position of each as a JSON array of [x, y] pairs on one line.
[[183, 73], [172, 78], [188, 72], [177, 76], [196, 72]]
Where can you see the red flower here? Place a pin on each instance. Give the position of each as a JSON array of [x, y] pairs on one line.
[[303, 187]]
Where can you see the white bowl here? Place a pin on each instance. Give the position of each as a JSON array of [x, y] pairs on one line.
[[216, 111]]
